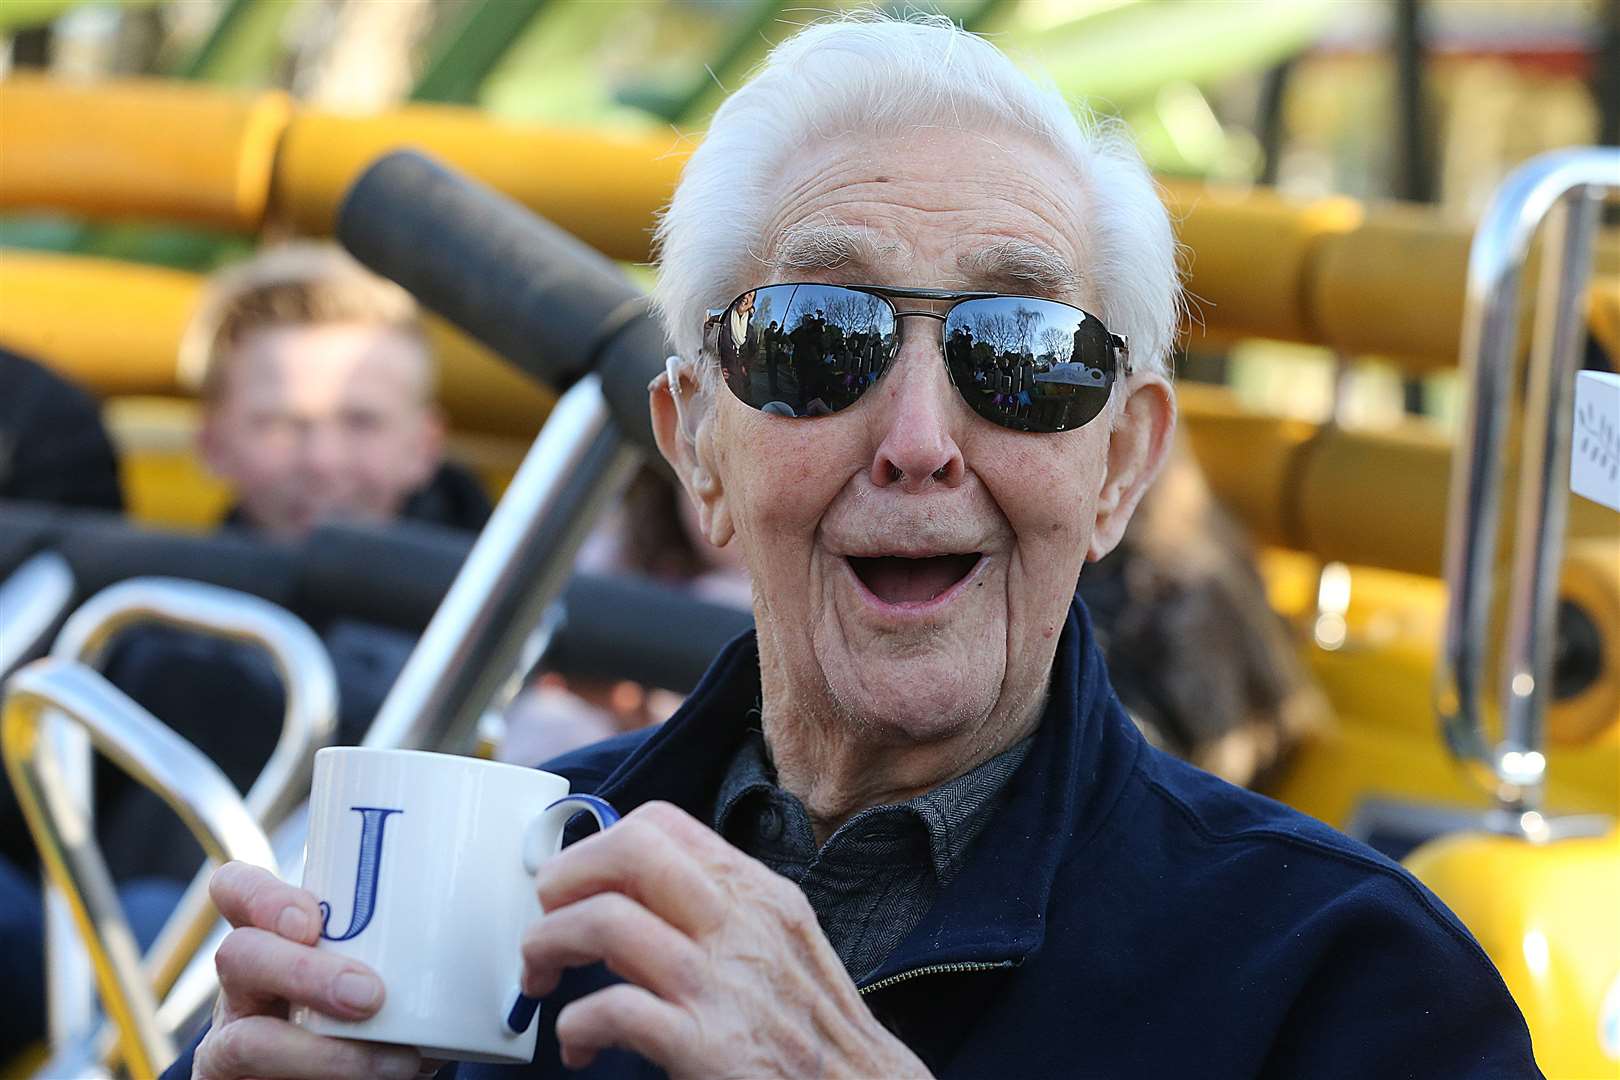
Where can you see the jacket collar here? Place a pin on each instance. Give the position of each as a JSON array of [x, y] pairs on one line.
[[995, 911], [685, 760]]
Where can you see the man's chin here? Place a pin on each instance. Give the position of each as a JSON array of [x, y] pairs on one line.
[[928, 703]]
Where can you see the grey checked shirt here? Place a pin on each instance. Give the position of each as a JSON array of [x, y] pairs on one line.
[[880, 872]]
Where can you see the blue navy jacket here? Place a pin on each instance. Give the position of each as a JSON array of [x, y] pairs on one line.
[[1123, 915]]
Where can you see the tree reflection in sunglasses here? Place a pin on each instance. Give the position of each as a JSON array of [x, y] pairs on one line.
[[830, 345]]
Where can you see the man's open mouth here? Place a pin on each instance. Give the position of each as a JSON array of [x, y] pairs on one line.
[[898, 580]]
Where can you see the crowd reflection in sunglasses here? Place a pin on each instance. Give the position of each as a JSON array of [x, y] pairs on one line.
[[827, 357]]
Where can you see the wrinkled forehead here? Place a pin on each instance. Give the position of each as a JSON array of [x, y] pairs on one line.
[[939, 207]]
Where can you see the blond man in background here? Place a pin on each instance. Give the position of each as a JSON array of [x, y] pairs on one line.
[[318, 385]]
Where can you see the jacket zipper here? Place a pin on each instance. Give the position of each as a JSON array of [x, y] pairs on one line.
[[935, 969]]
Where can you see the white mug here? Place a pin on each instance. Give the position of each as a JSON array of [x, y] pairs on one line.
[[423, 864]]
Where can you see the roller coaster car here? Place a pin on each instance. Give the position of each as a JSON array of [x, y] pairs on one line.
[[1535, 873], [1518, 838]]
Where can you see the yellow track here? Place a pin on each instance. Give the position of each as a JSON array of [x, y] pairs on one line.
[[1361, 279]]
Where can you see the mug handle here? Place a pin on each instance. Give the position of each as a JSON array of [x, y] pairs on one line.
[[521, 1014]]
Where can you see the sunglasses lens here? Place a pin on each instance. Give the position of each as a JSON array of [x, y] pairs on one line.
[[805, 350], [1029, 365]]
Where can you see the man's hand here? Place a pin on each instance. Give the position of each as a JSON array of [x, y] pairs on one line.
[[269, 962], [728, 973]]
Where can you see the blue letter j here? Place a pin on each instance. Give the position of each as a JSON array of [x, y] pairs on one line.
[[373, 821]]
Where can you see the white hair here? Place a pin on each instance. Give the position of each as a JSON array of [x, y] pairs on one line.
[[871, 75]]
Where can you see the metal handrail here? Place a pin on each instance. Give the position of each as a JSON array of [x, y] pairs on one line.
[[33, 597], [1565, 189], [187, 1004], [517, 568], [158, 759], [308, 723]]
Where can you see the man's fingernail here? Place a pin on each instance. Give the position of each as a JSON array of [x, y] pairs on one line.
[[292, 923], [397, 1064], [359, 991]]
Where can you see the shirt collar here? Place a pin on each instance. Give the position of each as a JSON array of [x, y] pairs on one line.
[[952, 812], [750, 773], [950, 815]]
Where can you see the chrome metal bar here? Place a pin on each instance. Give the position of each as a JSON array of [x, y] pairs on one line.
[[190, 1000], [308, 723], [155, 757], [518, 566], [32, 598], [1489, 341], [1538, 546], [309, 720]]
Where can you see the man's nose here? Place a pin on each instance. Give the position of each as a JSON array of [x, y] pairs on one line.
[[324, 448], [920, 417]]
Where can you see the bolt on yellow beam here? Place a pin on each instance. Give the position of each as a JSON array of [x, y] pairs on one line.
[[1366, 497], [1392, 286], [1249, 256]]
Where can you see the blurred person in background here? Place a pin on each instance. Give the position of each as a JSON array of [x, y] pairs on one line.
[[1201, 661], [53, 446], [53, 449], [318, 385]]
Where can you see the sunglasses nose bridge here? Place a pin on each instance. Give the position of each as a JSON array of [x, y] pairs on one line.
[[936, 338], [927, 377], [936, 332]]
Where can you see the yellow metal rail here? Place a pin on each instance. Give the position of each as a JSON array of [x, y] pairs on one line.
[[115, 327], [1373, 498], [1363, 279], [140, 148], [602, 187]]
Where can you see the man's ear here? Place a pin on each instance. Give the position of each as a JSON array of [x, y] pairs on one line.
[[1137, 448], [683, 426]]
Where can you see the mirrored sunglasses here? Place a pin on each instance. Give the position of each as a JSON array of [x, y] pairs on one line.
[[1023, 362]]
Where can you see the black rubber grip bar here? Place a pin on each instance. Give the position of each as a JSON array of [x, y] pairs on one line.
[[611, 627], [605, 618], [551, 305]]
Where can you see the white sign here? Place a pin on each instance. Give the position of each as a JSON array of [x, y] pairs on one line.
[[1594, 460]]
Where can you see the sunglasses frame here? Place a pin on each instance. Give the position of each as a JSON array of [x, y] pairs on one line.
[[889, 293]]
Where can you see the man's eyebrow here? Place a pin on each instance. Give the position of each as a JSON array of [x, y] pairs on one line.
[[1022, 265], [828, 246]]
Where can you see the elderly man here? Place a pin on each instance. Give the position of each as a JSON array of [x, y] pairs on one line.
[[907, 828]]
